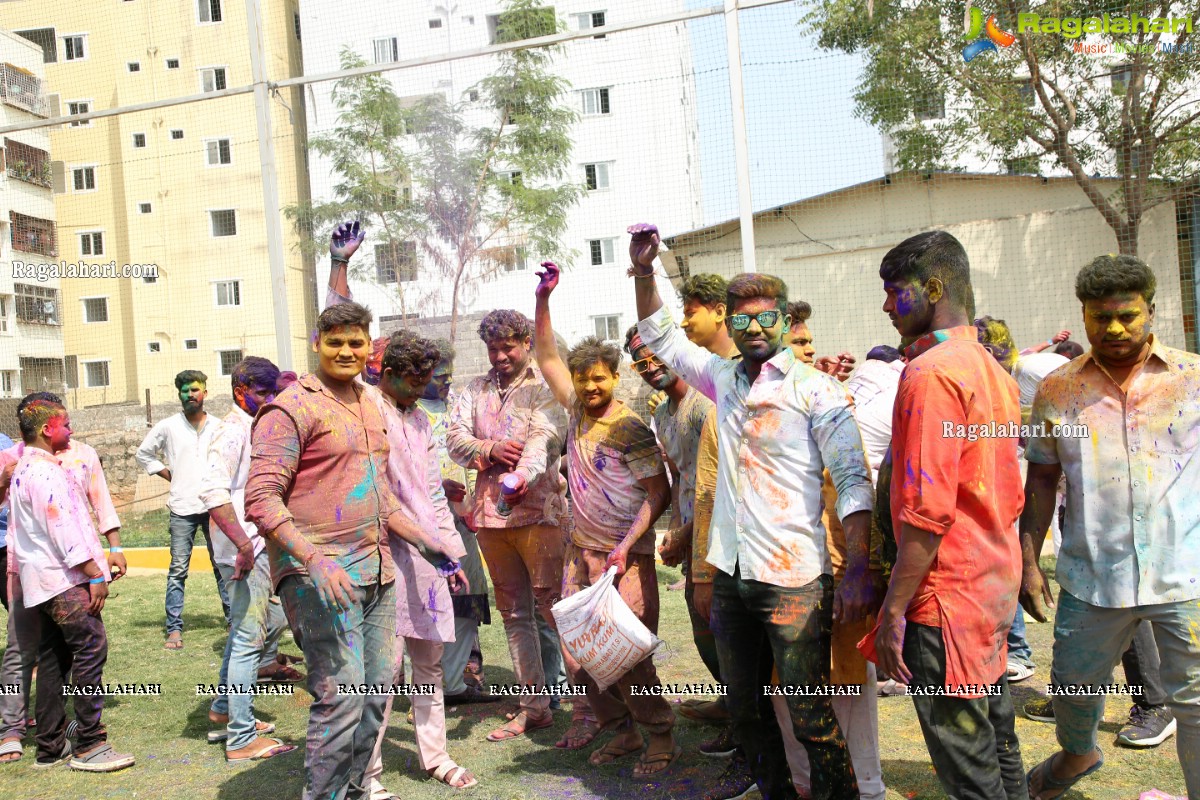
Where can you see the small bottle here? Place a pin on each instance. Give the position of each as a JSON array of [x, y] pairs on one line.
[[508, 487]]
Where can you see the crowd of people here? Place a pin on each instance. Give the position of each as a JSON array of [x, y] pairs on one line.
[[846, 531]]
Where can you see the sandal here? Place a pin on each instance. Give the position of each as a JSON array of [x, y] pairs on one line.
[[101, 759], [610, 753], [513, 728], [260, 749], [666, 759], [450, 774], [63, 757], [287, 658], [279, 673], [11, 747], [260, 728], [1045, 773], [174, 641], [583, 730]]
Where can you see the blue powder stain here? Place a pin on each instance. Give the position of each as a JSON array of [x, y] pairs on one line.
[[360, 491], [606, 497], [925, 475], [337, 513], [600, 463], [908, 471]]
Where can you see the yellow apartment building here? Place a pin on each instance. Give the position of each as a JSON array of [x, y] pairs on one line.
[[161, 212]]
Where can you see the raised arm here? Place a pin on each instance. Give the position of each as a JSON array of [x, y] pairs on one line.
[[343, 244], [1061, 336], [557, 376], [643, 249]]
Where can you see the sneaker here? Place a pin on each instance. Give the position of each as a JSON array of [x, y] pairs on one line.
[[1018, 672], [723, 746], [1147, 727], [1040, 710], [735, 783], [891, 688]]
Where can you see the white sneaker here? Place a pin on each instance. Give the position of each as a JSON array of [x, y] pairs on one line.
[[1018, 672], [891, 688]]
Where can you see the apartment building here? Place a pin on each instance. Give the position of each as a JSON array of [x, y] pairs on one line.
[[636, 143], [31, 333], [174, 194]]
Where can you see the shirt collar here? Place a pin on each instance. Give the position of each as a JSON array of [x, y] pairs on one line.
[[967, 333], [1157, 350], [530, 372], [781, 362], [311, 382]]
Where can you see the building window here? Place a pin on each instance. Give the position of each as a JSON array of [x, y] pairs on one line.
[[75, 47], [209, 10], [595, 101], [229, 293], [154, 347], [3, 315], [95, 309], [149, 279], [8, 383], [396, 262], [1120, 77], [589, 20], [223, 222], [212, 79], [191, 344], [33, 234], [608, 327], [134, 66], [45, 39], [84, 179], [172, 63], [511, 177], [177, 133], [95, 374], [91, 243], [596, 176], [473, 95], [931, 105], [217, 152], [36, 304], [512, 26], [296, 24], [144, 208], [139, 140], [514, 259], [80, 107], [603, 251], [435, 23], [387, 50], [229, 360]]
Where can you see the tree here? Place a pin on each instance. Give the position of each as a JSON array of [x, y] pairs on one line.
[[483, 199], [1138, 121]]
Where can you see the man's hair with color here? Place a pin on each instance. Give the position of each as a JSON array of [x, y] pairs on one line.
[[254, 371], [34, 414], [49, 397], [754, 285], [350, 315], [997, 339], [799, 311], [505, 323], [1110, 275], [445, 350], [707, 289], [190, 376], [883, 352], [410, 354], [593, 350], [1069, 349], [933, 254]]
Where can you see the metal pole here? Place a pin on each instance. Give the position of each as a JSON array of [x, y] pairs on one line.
[[270, 184], [741, 148]]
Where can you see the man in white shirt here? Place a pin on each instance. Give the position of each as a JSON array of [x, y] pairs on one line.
[[1031, 369], [773, 598], [183, 440]]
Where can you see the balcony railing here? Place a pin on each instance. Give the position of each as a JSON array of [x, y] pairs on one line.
[[22, 89], [28, 163]]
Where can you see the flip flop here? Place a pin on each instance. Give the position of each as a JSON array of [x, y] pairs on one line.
[[658, 758], [281, 673], [260, 729], [610, 753], [585, 729], [173, 644], [512, 729], [1050, 783], [9, 748], [279, 748], [450, 773]]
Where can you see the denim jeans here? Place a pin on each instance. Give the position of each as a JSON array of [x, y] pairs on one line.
[[73, 643], [346, 649], [1019, 649], [759, 626], [183, 537], [256, 623], [552, 660]]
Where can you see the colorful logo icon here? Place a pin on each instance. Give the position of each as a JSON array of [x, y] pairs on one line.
[[983, 36]]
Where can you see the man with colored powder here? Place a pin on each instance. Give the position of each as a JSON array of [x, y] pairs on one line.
[[64, 580], [82, 465], [954, 502], [619, 489], [508, 422], [1131, 538], [462, 658], [424, 614], [800, 339], [323, 446], [240, 555], [773, 598], [183, 440]]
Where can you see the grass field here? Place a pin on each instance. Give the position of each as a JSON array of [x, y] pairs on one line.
[[167, 733]]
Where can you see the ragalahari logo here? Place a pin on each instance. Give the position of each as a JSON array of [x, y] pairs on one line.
[[983, 36]]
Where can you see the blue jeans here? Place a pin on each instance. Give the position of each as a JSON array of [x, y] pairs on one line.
[[183, 537], [1019, 649], [552, 660], [347, 649], [257, 624]]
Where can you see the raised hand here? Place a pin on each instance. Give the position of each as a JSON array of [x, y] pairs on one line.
[[1060, 337], [548, 279], [643, 247], [345, 240]]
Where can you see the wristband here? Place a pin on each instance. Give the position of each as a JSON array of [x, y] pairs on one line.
[[636, 274], [116, 549], [101, 579], [341, 260], [311, 556]]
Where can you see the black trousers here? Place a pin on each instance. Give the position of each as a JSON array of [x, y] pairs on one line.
[[1141, 665], [972, 742]]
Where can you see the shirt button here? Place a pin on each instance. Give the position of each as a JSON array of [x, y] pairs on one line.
[[1137, 483], [1138, 517], [1133, 448]]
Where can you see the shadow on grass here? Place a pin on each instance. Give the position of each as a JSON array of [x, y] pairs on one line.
[[914, 780]]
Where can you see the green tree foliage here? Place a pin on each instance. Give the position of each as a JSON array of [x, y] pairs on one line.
[[1132, 113]]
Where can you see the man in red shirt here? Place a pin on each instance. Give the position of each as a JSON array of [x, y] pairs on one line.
[[955, 497]]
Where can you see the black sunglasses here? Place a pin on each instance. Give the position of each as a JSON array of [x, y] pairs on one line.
[[765, 319]]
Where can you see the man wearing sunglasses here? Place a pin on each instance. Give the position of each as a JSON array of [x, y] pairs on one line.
[[780, 424]]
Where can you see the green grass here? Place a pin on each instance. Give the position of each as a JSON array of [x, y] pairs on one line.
[[145, 530], [167, 733]]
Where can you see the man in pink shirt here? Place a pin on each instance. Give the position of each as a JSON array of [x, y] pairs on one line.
[[65, 580]]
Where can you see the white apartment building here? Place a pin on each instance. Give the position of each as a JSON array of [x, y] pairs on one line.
[[636, 144], [31, 334]]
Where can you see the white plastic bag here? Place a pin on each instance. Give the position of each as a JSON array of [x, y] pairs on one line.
[[602, 633]]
